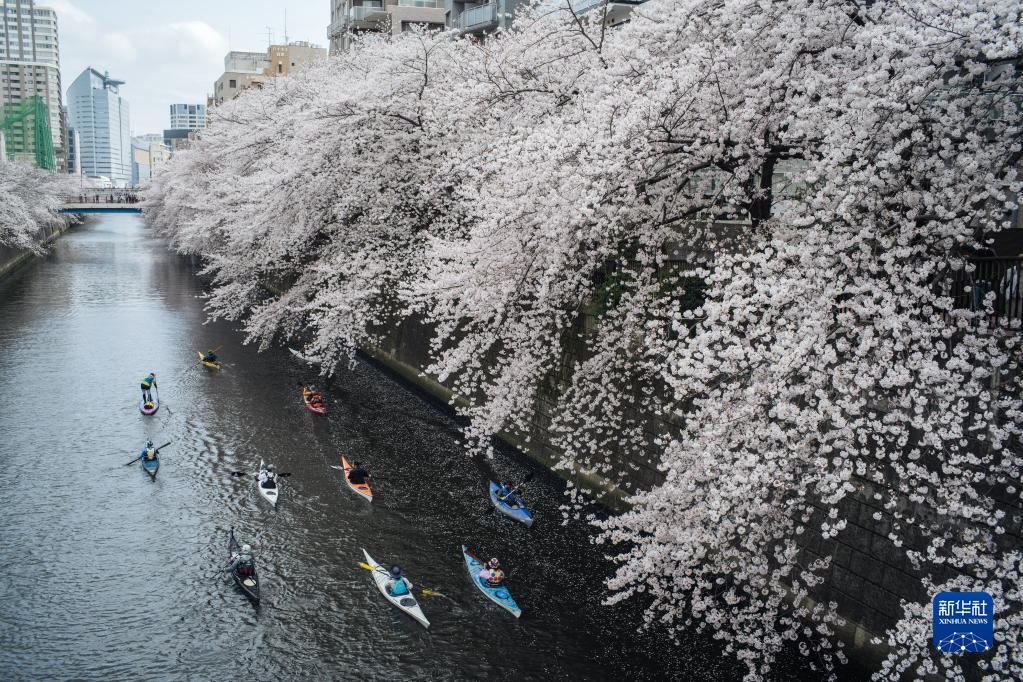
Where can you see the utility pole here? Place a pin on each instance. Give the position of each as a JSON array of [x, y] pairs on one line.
[[285, 25]]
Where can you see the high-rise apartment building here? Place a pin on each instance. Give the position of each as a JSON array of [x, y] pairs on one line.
[[99, 114], [30, 67], [351, 17], [188, 116]]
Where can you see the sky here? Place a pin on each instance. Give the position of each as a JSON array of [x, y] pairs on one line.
[[171, 51]]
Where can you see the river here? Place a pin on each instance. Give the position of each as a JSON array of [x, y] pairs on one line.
[[105, 574]]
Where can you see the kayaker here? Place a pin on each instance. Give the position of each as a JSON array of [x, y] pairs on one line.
[[149, 451], [209, 357], [505, 490], [357, 475], [492, 573], [147, 384], [243, 562], [314, 397], [268, 477], [397, 588]]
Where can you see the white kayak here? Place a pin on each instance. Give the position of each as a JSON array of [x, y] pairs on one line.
[[405, 602], [269, 494]]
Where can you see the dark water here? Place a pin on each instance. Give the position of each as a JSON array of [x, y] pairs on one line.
[[106, 575]]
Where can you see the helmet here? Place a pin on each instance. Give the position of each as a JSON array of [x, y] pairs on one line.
[[246, 549], [149, 443], [395, 571], [493, 563], [269, 467]]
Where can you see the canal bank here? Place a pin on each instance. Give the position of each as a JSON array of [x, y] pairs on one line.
[[11, 259]]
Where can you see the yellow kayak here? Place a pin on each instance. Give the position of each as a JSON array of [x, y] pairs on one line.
[[211, 365]]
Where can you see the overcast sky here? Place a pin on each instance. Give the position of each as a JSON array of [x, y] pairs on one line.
[[172, 51]]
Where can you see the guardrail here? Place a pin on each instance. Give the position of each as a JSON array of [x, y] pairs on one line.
[[366, 12]]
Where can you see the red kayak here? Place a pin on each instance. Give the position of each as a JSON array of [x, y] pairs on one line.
[[313, 402]]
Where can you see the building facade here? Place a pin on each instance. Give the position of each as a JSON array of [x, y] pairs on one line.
[[100, 115], [190, 116], [30, 67], [244, 70]]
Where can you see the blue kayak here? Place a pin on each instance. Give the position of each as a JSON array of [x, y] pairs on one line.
[[511, 507], [499, 595], [151, 466]]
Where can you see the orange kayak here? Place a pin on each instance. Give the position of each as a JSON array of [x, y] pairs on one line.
[[361, 488]]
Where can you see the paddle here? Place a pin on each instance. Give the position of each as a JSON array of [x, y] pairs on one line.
[[156, 450], [526, 479], [423, 590]]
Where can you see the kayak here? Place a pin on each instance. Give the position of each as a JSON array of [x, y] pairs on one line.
[[362, 488], [150, 466], [304, 358], [269, 494], [405, 602], [499, 595], [249, 584], [211, 365], [151, 408], [512, 507], [322, 409]]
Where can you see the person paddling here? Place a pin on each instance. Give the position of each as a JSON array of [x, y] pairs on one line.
[[491, 573], [397, 588], [210, 356], [313, 397], [268, 477], [243, 562], [148, 452], [506, 491], [148, 383], [357, 475]]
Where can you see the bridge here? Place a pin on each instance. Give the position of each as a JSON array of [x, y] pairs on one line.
[[104, 201]]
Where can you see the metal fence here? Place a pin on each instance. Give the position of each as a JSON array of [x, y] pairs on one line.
[[994, 282]]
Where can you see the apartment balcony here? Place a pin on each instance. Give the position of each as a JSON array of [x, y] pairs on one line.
[[367, 15], [478, 19], [617, 10], [421, 3]]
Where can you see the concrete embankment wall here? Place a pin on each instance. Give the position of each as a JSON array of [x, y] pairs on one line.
[[12, 259], [868, 575]]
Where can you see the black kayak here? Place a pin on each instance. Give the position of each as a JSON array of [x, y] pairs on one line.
[[246, 579]]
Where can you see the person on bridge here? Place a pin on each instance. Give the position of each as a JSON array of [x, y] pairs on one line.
[[492, 574], [357, 475], [148, 384], [397, 588], [268, 478], [210, 356], [243, 562]]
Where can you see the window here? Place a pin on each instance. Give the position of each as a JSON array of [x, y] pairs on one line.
[[280, 68], [232, 83]]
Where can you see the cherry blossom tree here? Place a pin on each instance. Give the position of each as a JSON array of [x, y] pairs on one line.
[[751, 213], [29, 202]]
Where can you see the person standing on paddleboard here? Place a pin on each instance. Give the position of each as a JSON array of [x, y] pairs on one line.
[[148, 384]]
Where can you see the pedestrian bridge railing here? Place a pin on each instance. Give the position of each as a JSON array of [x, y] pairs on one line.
[[104, 201]]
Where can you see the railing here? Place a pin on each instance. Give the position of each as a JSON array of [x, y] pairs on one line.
[[420, 3], [478, 16], [1002, 277], [580, 6], [366, 11]]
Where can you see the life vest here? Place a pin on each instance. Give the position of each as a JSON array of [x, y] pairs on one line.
[[150, 453], [148, 381]]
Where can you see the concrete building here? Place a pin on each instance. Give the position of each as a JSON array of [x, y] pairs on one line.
[[148, 154], [616, 13], [190, 116], [349, 18], [294, 55], [244, 70], [100, 115], [30, 67]]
